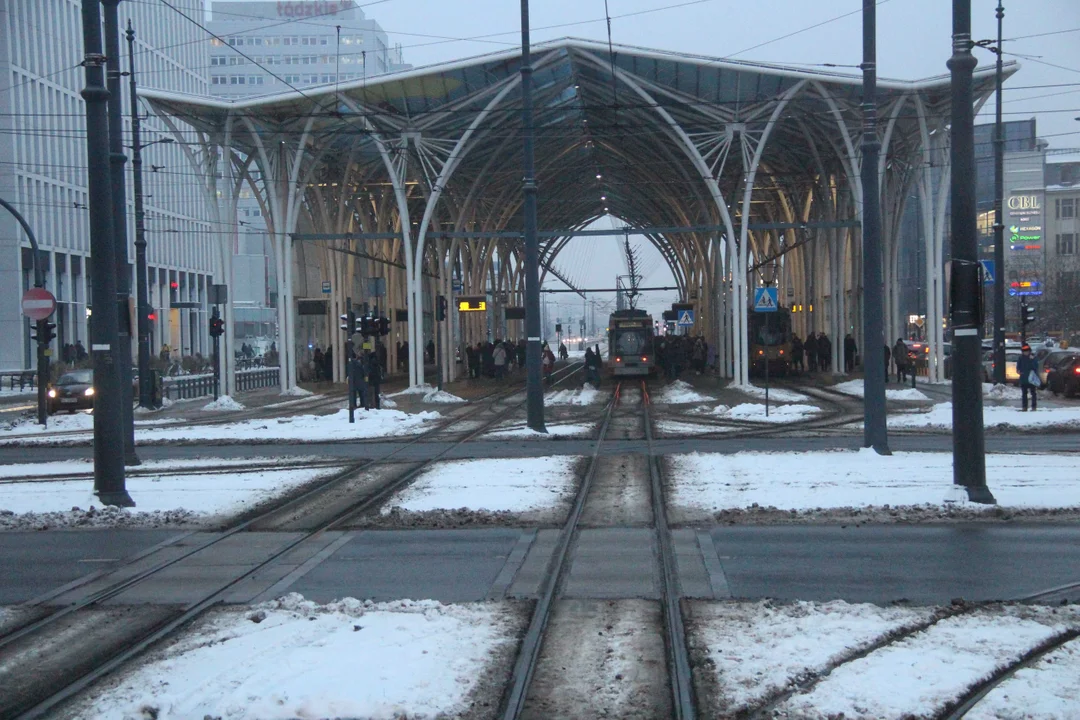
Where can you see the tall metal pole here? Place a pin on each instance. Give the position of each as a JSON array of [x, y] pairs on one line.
[[108, 415], [117, 159], [534, 389], [146, 390], [999, 218], [875, 432], [42, 345], [969, 446]]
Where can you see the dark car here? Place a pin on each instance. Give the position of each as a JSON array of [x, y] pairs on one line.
[[1064, 377], [73, 391]]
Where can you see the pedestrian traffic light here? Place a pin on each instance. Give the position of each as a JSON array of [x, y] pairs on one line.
[[44, 337], [384, 326], [348, 322], [174, 287], [440, 308], [217, 327]]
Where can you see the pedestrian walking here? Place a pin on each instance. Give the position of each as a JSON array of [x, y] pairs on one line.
[[498, 358], [374, 379], [547, 363], [1027, 367], [796, 353], [824, 352], [361, 370], [317, 364], [899, 353], [887, 354], [850, 348], [810, 346]]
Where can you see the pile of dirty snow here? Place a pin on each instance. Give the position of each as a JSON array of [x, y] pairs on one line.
[[222, 404], [777, 394], [857, 389], [678, 393], [994, 416], [587, 395], [755, 412]]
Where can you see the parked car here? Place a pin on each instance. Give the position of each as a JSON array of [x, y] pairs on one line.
[[72, 391], [1064, 377]]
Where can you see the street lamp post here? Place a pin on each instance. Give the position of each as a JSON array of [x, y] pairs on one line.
[[969, 442], [146, 390], [999, 217]]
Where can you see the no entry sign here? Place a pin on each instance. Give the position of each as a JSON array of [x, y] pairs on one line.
[[38, 303]]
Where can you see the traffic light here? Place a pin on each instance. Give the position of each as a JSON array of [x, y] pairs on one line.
[[1027, 313], [217, 327], [383, 326], [174, 287], [367, 326], [440, 308], [45, 337]]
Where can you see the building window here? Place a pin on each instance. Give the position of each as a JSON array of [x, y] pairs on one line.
[[216, 42], [255, 41], [1066, 208], [1066, 244], [255, 80], [219, 80], [234, 41]]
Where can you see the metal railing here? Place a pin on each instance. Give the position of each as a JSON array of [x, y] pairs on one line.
[[25, 378], [257, 378], [188, 387]]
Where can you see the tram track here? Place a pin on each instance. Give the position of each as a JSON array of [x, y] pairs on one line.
[[46, 691], [771, 706], [523, 698]]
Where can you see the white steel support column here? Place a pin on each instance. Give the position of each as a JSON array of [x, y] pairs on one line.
[[932, 200], [447, 170]]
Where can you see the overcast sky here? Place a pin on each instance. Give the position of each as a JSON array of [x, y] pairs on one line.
[[914, 41]]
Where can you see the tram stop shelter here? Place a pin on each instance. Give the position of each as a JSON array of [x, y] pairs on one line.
[[741, 174]]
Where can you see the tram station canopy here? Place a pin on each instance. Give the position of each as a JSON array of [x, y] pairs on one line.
[[726, 159]]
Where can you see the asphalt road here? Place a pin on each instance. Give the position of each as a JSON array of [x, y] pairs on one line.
[[879, 564], [1057, 443]]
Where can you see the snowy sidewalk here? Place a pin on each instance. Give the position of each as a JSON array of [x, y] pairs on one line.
[[297, 428], [171, 498], [804, 486]]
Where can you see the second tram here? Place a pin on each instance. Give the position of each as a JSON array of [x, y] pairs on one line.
[[631, 349], [770, 342]]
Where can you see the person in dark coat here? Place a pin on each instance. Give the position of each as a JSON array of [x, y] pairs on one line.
[[824, 352], [1026, 364], [810, 347], [899, 354], [317, 364], [429, 350], [850, 348], [361, 369], [470, 360], [374, 379], [796, 353], [328, 363]]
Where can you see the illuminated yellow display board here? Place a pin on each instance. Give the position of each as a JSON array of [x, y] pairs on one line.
[[471, 304]]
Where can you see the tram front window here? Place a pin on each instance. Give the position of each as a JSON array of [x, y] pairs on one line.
[[629, 342]]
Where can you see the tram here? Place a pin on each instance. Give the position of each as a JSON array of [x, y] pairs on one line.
[[770, 342], [631, 350]]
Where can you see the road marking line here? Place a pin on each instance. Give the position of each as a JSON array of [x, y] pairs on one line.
[[717, 579], [510, 568], [310, 564]]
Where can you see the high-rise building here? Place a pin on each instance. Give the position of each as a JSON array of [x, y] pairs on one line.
[[261, 48], [43, 170]]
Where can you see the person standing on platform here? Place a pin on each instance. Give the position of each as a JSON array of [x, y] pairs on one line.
[[810, 347], [374, 379], [899, 355], [1027, 367]]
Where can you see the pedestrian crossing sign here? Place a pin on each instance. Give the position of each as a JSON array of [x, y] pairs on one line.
[[686, 318], [765, 299]]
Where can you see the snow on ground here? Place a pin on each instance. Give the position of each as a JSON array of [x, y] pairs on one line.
[[674, 427], [165, 499], [1047, 690], [27, 391], [775, 394], [80, 420], [928, 670], [430, 394], [491, 485], [294, 659], [679, 392], [754, 412], [856, 388], [994, 416], [296, 391], [223, 404], [553, 431], [756, 649], [707, 483], [1001, 392], [586, 395], [86, 467], [298, 428]]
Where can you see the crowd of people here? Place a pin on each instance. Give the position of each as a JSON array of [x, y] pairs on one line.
[[675, 354], [367, 365]]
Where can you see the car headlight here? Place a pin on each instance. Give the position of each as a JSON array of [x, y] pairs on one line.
[[52, 393], [88, 392]]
